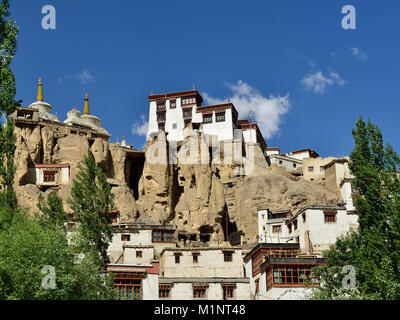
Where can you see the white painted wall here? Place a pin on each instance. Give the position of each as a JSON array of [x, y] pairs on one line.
[[150, 287], [184, 291], [210, 264]]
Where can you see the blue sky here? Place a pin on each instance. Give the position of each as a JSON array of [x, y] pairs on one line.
[[293, 56]]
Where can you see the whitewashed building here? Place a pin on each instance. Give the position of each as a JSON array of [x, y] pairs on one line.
[[172, 112], [134, 259], [278, 271], [203, 273]]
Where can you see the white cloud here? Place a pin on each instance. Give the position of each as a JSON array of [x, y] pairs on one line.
[[357, 52], [140, 127], [85, 77], [268, 111], [318, 83]]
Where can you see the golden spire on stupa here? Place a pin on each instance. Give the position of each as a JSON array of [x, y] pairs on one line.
[[86, 107], [40, 91]]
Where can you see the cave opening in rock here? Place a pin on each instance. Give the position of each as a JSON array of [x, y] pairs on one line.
[[230, 228], [134, 170]]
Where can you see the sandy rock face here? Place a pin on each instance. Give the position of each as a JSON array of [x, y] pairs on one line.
[[211, 197], [200, 189]]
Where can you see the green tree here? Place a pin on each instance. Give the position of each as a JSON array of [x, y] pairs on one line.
[[8, 47], [374, 250], [53, 209], [92, 202], [28, 247]]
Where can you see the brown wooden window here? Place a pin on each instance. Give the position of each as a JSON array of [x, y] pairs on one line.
[[295, 224], [297, 239], [220, 117], [276, 229], [49, 176], [161, 126], [290, 227], [199, 292], [294, 165], [172, 104], [125, 237], [294, 275], [304, 216], [163, 236], [161, 116], [330, 217], [138, 254], [161, 106], [228, 256], [207, 118], [228, 292], [128, 289], [164, 291], [187, 113], [188, 100], [280, 162]]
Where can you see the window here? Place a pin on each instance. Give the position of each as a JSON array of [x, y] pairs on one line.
[[161, 116], [161, 106], [128, 289], [174, 126], [220, 117], [207, 118], [330, 217], [172, 104], [164, 291], [138, 254], [304, 216], [163, 236], [49, 176], [321, 168], [177, 258], [161, 126], [280, 162], [257, 285], [199, 292], [310, 169], [298, 239], [290, 227], [227, 256], [276, 229], [295, 224], [195, 257], [296, 275], [187, 113], [125, 237], [228, 291], [294, 165], [188, 100]]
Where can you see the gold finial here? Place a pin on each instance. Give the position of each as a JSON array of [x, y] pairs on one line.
[[40, 91], [86, 107]]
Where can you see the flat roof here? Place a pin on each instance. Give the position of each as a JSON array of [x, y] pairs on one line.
[[227, 105], [172, 95]]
